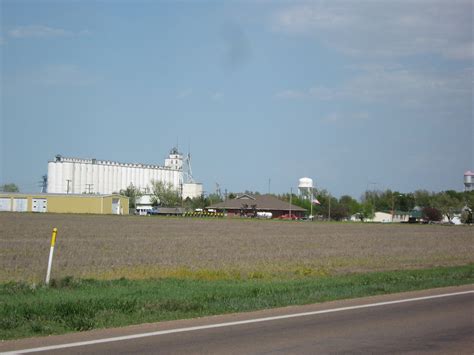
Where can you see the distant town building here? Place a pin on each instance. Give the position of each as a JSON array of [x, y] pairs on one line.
[[388, 217], [256, 205], [64, 203]]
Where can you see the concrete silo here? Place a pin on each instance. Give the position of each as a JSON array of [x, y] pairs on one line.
[[94, 176]]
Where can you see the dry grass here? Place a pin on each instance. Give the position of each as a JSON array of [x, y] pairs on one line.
[[141, 247]]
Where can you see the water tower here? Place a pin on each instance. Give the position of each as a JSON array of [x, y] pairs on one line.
[[469, 181], [305, 187]]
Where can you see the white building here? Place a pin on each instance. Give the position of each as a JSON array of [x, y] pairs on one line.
[[77, 176], [143, 204], [385, 217]]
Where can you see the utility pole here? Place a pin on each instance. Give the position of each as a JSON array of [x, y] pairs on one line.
[[329, 207], [291, 195], [393, 203], [269, 184], [68, 182], [225, 200], [372, 195]]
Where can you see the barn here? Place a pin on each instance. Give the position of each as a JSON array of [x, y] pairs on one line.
[[64, 203]]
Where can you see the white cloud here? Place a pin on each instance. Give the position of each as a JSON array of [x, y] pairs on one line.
[[395, 85], [410, 88], [292, 94], [343, 117], [463, 51], [63, 75], [40, 31], [185, 93], [384, 28], [317, 92], [332, 117], [217, 96], [84, 33]]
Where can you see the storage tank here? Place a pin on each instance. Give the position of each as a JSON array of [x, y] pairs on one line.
[[469, 181], [305, 187], [192, 190], [51, 177]]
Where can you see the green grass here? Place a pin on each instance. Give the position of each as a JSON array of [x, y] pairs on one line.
[[75, 305]]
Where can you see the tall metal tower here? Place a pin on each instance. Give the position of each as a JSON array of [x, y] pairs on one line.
[[187, 170], [44, 184]]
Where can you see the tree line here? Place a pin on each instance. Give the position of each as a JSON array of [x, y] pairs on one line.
[[432, 205], [9, 188]]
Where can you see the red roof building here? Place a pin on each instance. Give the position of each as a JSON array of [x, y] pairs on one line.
[[254, 205]]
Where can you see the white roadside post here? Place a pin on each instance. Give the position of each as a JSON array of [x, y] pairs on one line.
[[51, 251]]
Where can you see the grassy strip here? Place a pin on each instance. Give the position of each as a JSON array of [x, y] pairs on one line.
[[76, 305]]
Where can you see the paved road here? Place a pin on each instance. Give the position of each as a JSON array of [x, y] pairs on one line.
[[367, 325]]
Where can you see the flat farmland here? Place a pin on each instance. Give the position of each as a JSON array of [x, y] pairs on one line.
[[110, 247]]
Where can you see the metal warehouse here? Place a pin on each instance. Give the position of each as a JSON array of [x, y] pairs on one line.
[[64, 203], [78, 176]]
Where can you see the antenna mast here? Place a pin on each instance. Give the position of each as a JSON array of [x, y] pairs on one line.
[[188, 172]]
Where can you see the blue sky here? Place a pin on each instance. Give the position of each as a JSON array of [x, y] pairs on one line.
[[350, 93]]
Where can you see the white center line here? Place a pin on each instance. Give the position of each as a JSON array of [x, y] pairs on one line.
[[229, 324]]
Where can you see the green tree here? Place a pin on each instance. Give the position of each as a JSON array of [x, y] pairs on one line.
[[214, 198], [350, 204], [468, 210], [466, 216], [368, 204], [339, 211], [405, 202], [9, 188], [469, 200], [388, 200], [164, 194], [368, 210], [423, 198], [192, 204], [133, 193], [377, 199], [448, 204]]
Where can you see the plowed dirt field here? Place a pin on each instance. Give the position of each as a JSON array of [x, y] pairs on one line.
[[140, 247]]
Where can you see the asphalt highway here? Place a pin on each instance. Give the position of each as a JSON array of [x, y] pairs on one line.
[[431, 321]]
